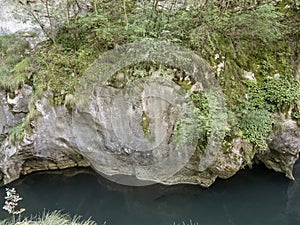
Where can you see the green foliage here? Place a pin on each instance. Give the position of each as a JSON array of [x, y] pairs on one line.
[[256, 126], [23, 72], [262, 39], [12, 50], [243, 37], [197, 122], [51, 218], [281, 92], [58, 72], [16, 133], [187, 128], [203, 113], [148, 23], [263, 23], [263, 99], [254, 99], [271, 94], [250, 40]]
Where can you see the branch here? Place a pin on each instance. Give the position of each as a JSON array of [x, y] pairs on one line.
[[125, 14], [50, 23]]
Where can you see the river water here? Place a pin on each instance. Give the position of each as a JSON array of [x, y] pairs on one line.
[[254, 196]]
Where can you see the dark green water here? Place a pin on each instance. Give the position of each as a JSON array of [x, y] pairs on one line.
[[252, 197]]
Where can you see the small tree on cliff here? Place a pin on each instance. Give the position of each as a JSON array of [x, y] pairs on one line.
[[50, 14]]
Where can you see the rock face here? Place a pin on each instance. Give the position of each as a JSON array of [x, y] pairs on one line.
[[54, 144], [95, 136], [284, 148], [8, 23], [62, 139], [50, 146], [14, 17], [284, 144]]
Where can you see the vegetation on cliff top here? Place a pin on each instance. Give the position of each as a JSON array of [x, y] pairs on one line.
[[235, 38]]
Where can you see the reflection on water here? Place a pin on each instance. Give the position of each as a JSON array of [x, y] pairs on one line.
[[257, 196], [293, 198]]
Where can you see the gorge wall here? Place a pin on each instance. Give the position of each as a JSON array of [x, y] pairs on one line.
[[52, 145], [61, 137]]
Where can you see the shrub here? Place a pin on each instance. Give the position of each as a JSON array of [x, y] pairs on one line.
[[256, 126], [12, 50]]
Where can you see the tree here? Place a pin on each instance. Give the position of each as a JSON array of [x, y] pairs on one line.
[[49, 15]]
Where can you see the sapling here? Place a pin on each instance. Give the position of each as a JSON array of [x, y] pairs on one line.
[[11, 202]]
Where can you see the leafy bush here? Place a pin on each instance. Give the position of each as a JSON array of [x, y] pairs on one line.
[[280, 92], [58, 71], [271, 94], [256, 126], [242, 36], [263, 99], [12, 50]]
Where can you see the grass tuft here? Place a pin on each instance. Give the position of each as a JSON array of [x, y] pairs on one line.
[[51, 218]]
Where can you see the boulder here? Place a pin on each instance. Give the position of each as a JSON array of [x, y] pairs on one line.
[[284, 148]]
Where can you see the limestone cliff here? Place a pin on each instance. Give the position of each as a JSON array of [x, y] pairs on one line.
[[52, 145], [116, 127]]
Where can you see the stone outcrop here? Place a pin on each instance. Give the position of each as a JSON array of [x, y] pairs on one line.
[[8, 23], [284, 144], [94, 135], [60, 139], [49, 146], [53, 144], [284, 148]]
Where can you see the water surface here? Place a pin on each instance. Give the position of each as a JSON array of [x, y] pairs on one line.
[[252, 197]]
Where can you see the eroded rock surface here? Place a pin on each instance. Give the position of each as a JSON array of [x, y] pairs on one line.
[[53, 144], [132, 136], [48, 147], [96, 136], [284, 148]]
